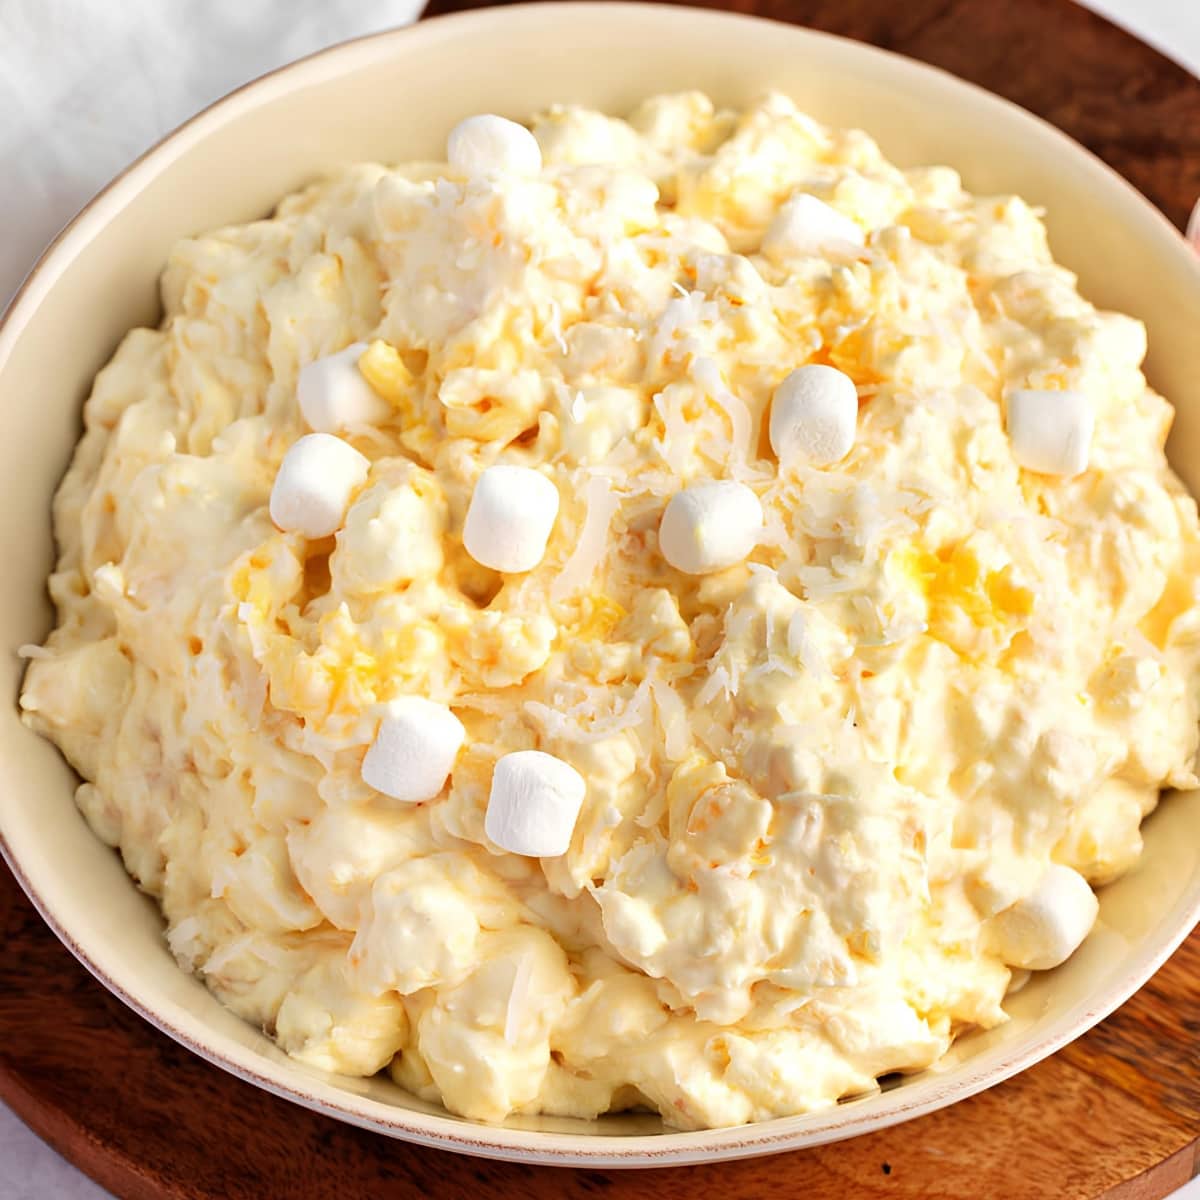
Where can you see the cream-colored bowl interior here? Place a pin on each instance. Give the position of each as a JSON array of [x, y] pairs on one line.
[[393, 97]]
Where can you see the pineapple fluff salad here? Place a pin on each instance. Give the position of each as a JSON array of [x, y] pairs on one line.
[[672, 612]]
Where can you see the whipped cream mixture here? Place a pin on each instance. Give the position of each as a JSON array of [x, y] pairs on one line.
[[819, 782]]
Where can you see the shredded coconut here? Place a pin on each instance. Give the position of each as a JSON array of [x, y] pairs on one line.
[[517, 998], [555, 327], [568, 726], [718, 680], [31, 651], [820, 582], [680, 316], [707, 375], [223, 955], [801, 646], [673, 718], [185, 941], [598, 837], [590, 549], [673, 445]]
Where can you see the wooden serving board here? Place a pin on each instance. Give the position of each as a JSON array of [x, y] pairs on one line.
[[1115, 1115]]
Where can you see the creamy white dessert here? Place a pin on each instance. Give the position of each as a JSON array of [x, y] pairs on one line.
[[844, 684]]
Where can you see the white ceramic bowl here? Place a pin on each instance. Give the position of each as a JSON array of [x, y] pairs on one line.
[[393, 97]]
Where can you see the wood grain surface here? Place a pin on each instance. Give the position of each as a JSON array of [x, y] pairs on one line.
[[1115, 1115]]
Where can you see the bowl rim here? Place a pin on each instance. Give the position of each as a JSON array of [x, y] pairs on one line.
[[443, 1131]]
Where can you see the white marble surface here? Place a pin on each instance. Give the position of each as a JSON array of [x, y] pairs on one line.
[[106, 78]]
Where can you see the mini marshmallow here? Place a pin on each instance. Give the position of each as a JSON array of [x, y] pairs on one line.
[[333, 393], [488, 144], [534, 804], [314, 484], [1050, 432], [1046, 927], [805, 225], [414, 751], [814, 415], [509, 519], [710, 526]]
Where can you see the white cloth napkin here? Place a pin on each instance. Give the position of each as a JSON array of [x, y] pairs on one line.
[[87, 85]]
